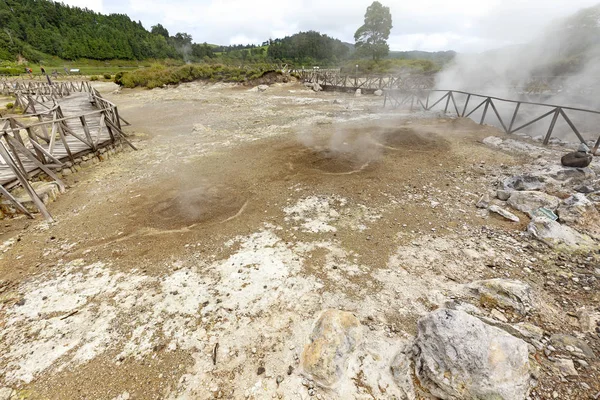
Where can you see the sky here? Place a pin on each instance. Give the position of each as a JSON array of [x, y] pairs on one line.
[[466, 26]]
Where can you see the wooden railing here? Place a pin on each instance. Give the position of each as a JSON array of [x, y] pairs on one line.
[[465, 104]]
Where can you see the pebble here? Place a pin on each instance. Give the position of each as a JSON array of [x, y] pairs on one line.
[[254, 350], [260, 371]]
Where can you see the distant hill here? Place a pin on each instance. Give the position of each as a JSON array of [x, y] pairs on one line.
[[31, 27]]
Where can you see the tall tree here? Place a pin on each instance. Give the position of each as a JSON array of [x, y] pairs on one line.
[[158, 29], [371, 38]]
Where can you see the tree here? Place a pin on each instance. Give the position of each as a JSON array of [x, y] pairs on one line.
[[158, 29], [371, 38]]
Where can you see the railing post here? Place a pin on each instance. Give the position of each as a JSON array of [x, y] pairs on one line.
[[551, 127], [514, 117], [485, 108]]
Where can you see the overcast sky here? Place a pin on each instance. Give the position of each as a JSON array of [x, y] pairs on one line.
[[461, 25]]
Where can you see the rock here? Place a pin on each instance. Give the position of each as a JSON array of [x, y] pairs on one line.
[[503, 195], [334, 336], [588, 319], [565, 367], [529, 201], [522, 330], [523, 182], [506, 214], [401, 372], [358, 93], [507, 293], [483, 202], [337, 101], [576, 159], [262, 88], [378, 92], [583, 148], [579, 212], [498, 315], [316, 87], [5, 393], [584, 189], [562, 340], [559, 236], [492, 141], [459, 357], [66, 172], [572, 175]]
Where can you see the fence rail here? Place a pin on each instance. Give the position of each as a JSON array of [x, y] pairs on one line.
[[41, 141], [517, 121]]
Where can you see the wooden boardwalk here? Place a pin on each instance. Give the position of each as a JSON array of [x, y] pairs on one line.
[[61, 122]]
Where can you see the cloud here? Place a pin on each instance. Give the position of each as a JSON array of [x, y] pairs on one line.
[[462, 25]]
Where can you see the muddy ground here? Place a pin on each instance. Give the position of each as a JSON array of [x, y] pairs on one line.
[[184, 269]]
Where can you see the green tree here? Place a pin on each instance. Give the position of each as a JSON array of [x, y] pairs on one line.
[[371, 38], [158, 29]]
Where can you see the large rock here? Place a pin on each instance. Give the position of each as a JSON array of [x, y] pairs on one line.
[[378, 92], [502, 212], [577, 159], [528, 201], [262, 88], [559, 236], [579, 212], [459, 357], [507, 293], [523, 182], [334, 336]]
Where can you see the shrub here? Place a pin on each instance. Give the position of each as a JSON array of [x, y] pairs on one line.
[[9, 106], [106, 75], [93, 78]]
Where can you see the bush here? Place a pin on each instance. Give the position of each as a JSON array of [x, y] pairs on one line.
[[107, 75], [11, 71], [9, 106], [93, 78]]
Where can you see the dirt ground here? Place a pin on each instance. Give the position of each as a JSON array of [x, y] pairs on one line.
[[184, 269]]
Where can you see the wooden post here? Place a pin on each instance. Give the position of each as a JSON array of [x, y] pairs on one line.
[[551, 127]]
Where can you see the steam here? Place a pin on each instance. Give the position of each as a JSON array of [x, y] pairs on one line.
[[561, 67]]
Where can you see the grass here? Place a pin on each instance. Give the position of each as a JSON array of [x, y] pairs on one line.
[[160, 75]]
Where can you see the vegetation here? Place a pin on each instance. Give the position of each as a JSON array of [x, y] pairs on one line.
[[159, 75], [33, 28], [389, 66], [308, 48], [371, 38]]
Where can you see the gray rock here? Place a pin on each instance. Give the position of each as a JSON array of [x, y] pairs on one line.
[[492, 141], [565, 367], [577, 159], [401, 372], [483, 202], [572, 175], [559, 236], [506, 214], [529, 201], [338, 101], [459, 357], [523, 182], [503, 195], [584, 189], [5, 393], [334, 336], [579, 212], [358, 92], [316, 87], [378, 92], [262, 88], [507, 293], [562, 340]]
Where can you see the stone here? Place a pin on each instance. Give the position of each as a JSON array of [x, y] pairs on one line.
[[66, 172], [338, 101], [316, 87], [559, 236], [262, 88], [401, 372], [565, 367], [335, 335], [562, 340], [483, 202], [572, 175], [85, 164], [586, 189], [5, 393], [523, 182], [579, 212], [528, 201], [492, 141], [507, 293], [358, 93], [576, 159], [378, 92], [503, 195], [502, 212], [457, 356], [588, 319]]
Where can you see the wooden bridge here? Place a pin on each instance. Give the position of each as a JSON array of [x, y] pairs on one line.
[[333, 79], [61, 121]]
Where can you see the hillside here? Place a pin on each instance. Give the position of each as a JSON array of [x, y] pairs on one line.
[[31, 27]]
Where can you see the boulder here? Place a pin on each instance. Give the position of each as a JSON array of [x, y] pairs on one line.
[[528, 201], [562, 340], [580, 213], [502, 212], [401, 373], [316, 87], [492, 141], [507, 293], [457, 356], [559, 236], [577, 159], [378, 92], [572, 175], [262, 88], [503, 195], [358, 92], [523, 182], [334, 336]]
